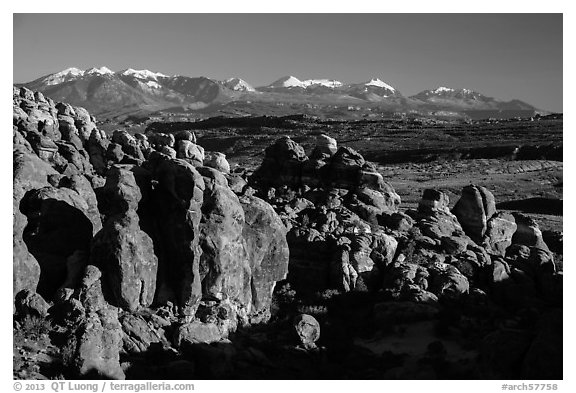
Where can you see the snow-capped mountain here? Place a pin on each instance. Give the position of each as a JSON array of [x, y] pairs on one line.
[[99, 71], [286, 81], [444, 92], [62, 76], [238, 84], [143, 74], [465, 99], [292, 81], [374, 90], [332, 83], [131, 91], [378, 83]]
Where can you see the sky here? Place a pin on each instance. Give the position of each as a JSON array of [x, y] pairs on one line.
[[506, 56]]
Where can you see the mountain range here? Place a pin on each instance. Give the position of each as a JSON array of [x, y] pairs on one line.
[[110, 94]]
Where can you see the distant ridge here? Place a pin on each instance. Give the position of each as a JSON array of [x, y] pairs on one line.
[[139, 91]]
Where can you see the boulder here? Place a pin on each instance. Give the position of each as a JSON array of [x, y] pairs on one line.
[[98, 340], [499, 231], [474, 208], [186, 135], [396, 221], [120, 193], [345, 168], [170, 152], [266, 249], [325, 147], [190, 151], [446, 280], [383, 249], [114, 153], [224, 266], [139, 333], [159, 139], [125, 254], [528, 232], [404, 274], [196, 332], [282, 164], [29, 303], [217, 161], [307, 329], [384, 201], [97, 147], [78, 161], [93, 346], [454, 244], [432, 201], [47, 123], [128, 143]]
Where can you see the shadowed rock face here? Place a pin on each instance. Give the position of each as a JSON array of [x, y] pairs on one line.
[[58, 226], [178, 203], [29, 172]]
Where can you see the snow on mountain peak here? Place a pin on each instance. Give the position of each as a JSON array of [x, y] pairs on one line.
[[63, 76], [291, 81], [71, 71], [322, 82], [378, 83], [238, 84], [287, 81], [100, 71], [142, 74], [153, 85], [442, 89]]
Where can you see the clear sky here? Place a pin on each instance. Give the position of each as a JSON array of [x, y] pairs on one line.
[[501, 55]]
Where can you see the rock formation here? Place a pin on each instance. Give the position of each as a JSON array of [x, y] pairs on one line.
[[111, 230]]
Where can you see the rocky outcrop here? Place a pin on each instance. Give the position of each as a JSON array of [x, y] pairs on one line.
[[29, 172], [328, 201], [126, 255], [60, 227], [224, 265], [286, 164], [528, 232], [94, 334], [29, 303], [475, 207], [500, 229], [267, 252], [178, 210], [217, 161], [111, 229]]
